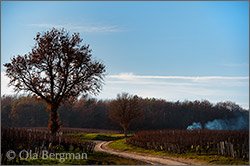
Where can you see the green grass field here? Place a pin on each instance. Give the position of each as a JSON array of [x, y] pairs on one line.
[[99, 136], [209, 159]]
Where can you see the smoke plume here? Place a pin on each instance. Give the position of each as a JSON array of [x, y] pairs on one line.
[[194, 126], [240, 122]]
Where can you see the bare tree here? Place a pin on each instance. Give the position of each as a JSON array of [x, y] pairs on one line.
[[124, 109], [57, 70]]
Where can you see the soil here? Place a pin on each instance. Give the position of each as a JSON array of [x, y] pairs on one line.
[[102, 146]]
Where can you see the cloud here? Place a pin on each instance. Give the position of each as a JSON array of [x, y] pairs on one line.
[[131, 76], [171, 88], [4, 85], [177, 81], [80, 28]]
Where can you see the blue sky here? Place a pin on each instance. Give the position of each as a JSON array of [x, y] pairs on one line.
[[170, 50]]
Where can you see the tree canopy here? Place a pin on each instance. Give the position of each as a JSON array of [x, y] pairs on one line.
[[124, 109], [57, 70]]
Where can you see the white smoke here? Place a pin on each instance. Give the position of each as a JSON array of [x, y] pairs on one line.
[[194, 126], [238, 123]]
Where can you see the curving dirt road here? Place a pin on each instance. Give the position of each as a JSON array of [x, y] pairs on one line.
[[102, 146]]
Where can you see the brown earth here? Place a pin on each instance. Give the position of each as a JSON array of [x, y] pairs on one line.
[[102, 146]]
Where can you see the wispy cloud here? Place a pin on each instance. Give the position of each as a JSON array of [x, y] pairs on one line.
[[171, 88], [80, 28], [131, 76]]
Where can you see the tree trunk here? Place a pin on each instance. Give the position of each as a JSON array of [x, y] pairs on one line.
[[54, 124], [125, 131]]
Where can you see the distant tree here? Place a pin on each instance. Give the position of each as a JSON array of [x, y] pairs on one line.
[[232, 106], [6, 106], [124, 109], [57, 70], [27, 112]]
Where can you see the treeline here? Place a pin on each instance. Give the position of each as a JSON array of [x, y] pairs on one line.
[[25, 111]]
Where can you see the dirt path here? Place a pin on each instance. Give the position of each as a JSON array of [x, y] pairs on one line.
[[102, 146]]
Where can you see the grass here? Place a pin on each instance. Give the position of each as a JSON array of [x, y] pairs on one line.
[[209, 159], [99, 136]]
